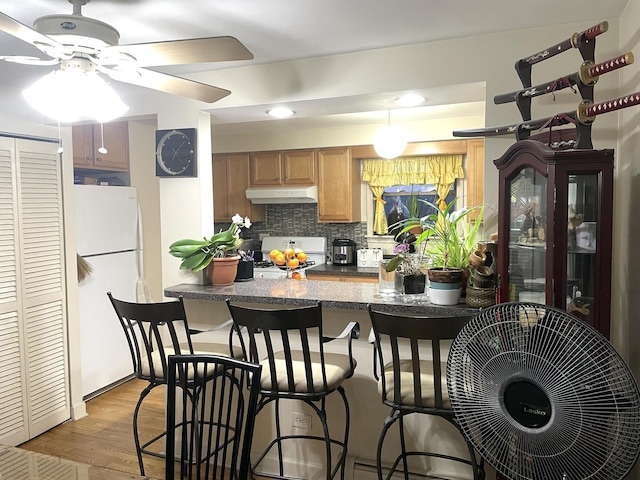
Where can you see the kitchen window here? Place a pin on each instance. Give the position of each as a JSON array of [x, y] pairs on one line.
[[406, 201], [468, 187]]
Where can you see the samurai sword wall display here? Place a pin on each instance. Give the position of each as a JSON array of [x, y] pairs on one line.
[[584, 41], [584, 79], [583, 117]]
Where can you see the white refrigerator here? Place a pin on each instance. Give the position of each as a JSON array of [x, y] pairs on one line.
[[107, 226]]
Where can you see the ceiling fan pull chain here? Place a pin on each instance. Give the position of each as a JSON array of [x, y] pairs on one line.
[[60, 149], [102, 150]]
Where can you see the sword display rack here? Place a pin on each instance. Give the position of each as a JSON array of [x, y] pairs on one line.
[[584, 80]]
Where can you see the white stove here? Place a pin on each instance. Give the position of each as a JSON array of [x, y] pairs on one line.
[[314, 247]]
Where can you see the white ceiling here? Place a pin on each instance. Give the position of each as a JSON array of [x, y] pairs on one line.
[[278, 30]]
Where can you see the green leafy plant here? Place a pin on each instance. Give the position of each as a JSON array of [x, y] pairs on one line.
[[413, 204], [448, 236], [196, 255]]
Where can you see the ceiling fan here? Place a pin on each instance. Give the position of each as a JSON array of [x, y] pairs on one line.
[[81, 43]]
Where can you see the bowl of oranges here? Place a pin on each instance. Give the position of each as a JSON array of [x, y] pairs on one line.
[[290, 258]]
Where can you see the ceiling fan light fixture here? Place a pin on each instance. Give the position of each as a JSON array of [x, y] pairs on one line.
[[73, 94]]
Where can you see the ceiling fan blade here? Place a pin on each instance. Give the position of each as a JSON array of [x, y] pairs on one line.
[[182, 52], [169, 84], [28, 60], [38, 40]]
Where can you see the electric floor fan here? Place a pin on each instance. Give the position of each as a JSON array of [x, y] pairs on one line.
[[541, 395]]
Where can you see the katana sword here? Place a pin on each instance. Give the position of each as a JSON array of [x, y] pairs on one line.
[[583, 41], [575, 41], [582, 117], [585, 78]]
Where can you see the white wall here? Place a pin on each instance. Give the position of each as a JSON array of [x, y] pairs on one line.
[[626, 272]]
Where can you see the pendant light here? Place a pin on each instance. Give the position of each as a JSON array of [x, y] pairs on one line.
[[390, 140]]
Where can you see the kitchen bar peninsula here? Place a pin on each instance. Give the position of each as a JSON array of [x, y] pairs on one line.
[[340, 295], [342, 302]]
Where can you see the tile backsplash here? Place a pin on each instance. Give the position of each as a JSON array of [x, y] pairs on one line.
[[301, 220]]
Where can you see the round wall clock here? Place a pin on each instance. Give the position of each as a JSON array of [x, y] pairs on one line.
[[176, 152]]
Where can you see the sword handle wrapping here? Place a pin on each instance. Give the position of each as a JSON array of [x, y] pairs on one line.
[[589, 72], [593, 32], [588, 111]]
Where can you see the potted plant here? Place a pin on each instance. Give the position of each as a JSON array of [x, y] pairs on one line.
[[220, 251], [447, 240], [408, 264]]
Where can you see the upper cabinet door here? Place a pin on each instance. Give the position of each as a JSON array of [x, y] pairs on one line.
[[291, 167], [265, 169], [230, 180], [338, 186], [299, 167], [87, 139]]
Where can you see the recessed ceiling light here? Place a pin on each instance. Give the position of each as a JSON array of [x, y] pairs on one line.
[[410, 100], [280, 112]]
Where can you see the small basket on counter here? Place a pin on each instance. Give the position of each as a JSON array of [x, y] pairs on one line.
[[480, 297]]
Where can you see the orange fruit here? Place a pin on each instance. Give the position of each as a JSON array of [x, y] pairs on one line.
[[302, 257], [296, 276], [293, 262], [280, 260], [273, 254], [289, 253]]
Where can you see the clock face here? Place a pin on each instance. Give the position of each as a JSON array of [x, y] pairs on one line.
[[176, 153]]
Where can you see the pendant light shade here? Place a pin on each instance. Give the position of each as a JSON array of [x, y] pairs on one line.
[[390, 140], [75, 92]]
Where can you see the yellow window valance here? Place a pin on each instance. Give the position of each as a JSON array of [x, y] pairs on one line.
[[440, 170], [436, 169]]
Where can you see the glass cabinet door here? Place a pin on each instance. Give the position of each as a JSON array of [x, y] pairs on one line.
[[527, 236], [582, 206], [556, 213]]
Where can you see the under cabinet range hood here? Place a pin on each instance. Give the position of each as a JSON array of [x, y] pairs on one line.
[[283, 195]]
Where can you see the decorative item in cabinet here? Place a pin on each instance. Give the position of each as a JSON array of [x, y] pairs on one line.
[[550, 199], [291, 167], [338, 186], [89, 138], [230, 180]]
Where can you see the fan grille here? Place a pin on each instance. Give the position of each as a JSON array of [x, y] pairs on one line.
[[542, 395]]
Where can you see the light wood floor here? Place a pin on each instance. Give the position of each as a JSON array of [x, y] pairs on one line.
[[105, 436]]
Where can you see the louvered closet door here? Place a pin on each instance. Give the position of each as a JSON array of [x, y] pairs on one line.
[[32, 292]]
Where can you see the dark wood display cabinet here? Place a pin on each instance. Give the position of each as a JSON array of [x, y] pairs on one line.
[[555, 228]]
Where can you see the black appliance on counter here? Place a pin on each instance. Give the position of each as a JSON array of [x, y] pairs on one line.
[[343, 252]]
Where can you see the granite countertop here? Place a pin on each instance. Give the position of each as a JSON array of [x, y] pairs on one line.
[[344, 270], [341, 295]]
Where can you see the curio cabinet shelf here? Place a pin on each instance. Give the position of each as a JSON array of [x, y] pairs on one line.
[[555, 228]]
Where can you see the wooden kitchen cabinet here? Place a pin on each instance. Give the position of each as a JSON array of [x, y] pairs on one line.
[[87, 139], [291, 167], [555, 224], [230, 180], [338, 186], [341, 278]]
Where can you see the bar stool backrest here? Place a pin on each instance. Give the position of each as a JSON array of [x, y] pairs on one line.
[[211, 410], [412, 344], [288, 340], [148, 327]]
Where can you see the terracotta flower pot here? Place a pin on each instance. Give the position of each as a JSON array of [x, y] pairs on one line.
[[222, 271]]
